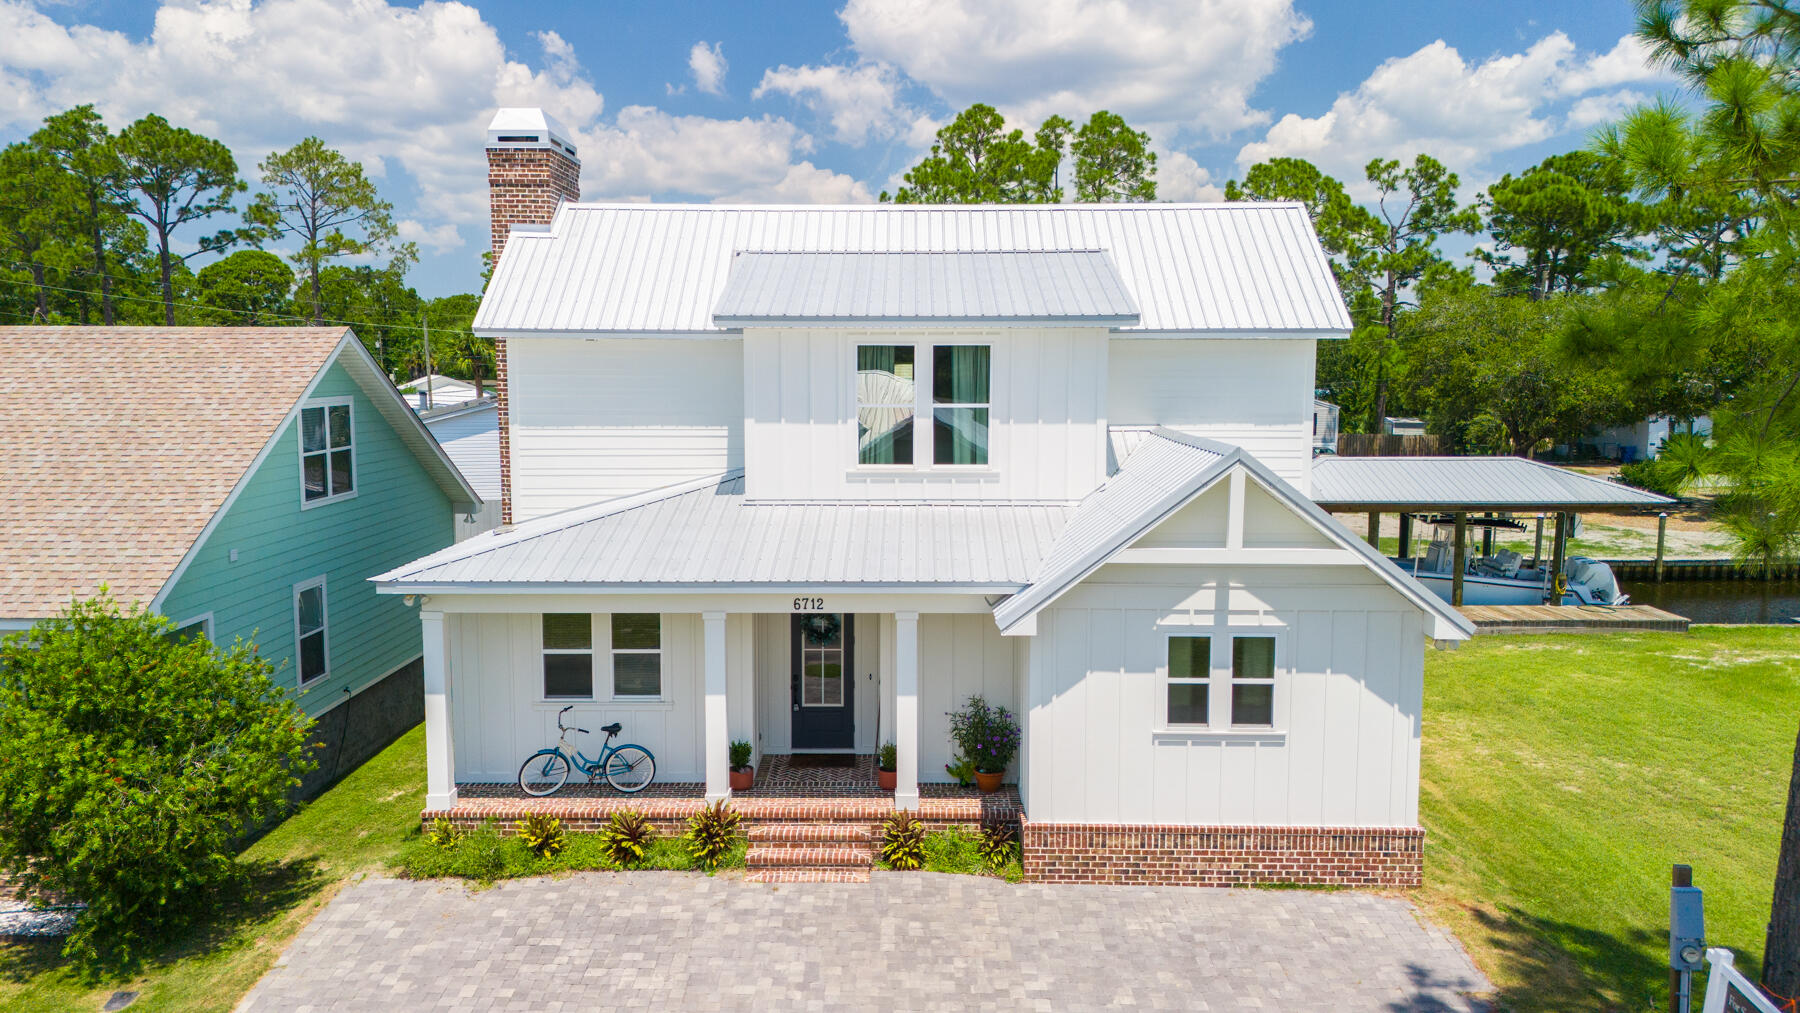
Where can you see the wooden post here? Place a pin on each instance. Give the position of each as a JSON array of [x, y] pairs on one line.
[[1662, 535], [1487, 538], [1405, 536], [1537, 544], [1458, 558], [1559, 546], [1375, 529]]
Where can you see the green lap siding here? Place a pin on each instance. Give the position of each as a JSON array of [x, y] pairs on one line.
[[397, 515]]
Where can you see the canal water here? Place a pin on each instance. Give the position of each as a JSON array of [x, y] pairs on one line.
[[1721, 601]]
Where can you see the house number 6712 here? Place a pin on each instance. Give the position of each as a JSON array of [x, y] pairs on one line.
[[809, 604]]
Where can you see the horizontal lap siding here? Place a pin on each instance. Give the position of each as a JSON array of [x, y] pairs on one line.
[[1348, 697], [397, 515], [591, 420]]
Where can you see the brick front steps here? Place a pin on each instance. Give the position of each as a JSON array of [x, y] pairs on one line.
[[809, 853]]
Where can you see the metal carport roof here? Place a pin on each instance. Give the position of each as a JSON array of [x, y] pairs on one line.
[[1466, 484]]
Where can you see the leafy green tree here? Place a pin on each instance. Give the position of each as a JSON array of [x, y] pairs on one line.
[[1559, 217], [250, 287], [455, 348], [169, 177], [322, 199], [1112, 161], [81, 144], [33, 230], [976, 160], [130, 764], [378, 304], [1342, 224]]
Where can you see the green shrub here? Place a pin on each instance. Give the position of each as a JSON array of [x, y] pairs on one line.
[[1653, 475], [999, 845], [542, 834], [711, 833], [445, 835], [740, 755], [887, 757], [985, 735], [903, 841], [952, 849], [627, 838], [131, 766]]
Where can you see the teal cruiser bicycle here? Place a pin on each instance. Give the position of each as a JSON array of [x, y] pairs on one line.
[[628, 768]]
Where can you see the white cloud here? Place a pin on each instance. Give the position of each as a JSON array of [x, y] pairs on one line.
[[1460, 112], [860, 102], [708, 65], [1597, 109], [1180, 178], [1190, 63], [395, 87], [439, 238]]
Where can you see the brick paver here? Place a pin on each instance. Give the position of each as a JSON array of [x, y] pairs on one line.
[[904, 941]]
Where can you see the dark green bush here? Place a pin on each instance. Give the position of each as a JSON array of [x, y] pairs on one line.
[[903, 841], [999, 844], [1653, 475], [131, 766], [627, 838], [740, 754], [711, 834]]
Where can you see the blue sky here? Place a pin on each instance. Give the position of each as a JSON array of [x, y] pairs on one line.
[[803, 101]]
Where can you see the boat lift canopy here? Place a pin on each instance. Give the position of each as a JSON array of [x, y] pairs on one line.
[[1468, 485]]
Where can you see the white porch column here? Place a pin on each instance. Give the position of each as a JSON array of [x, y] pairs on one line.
[[718, 730], [906, 710], [440, 749]]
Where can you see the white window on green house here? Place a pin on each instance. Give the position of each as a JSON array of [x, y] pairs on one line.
[[1190, 680], [568, 656], [192, 629], [327, 452], [312, 653], [1253, 681], [637, 655]]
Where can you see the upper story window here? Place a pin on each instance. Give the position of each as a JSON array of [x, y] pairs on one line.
[[327, 452], [890, 401]]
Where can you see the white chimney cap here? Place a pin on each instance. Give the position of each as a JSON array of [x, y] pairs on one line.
[[528, 127]]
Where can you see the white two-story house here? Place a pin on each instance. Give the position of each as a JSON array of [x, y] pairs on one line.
[[810, 477]]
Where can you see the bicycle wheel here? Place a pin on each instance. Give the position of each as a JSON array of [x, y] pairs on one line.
[[543, 773], [630, 769]]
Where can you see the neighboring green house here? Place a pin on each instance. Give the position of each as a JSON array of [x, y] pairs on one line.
[[251, 493]]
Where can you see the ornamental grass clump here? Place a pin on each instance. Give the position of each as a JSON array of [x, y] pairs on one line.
[[542, 833], [998, 845], [131, 767], [986, 737], [712, 833], [903, 841], [627, 838]]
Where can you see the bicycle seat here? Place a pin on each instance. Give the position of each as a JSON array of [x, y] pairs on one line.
[[612, 729]]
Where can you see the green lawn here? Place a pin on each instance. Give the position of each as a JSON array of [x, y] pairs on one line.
[[1563, 775], [354, 828]]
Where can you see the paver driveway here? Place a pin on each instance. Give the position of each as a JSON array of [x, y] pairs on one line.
[[915, 941]]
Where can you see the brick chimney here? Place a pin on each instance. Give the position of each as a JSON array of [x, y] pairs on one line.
[[532, 169]]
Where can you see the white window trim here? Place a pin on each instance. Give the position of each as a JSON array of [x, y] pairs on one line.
[[1273, 681], [327, 403], [604, 628], [206, 621], [324, 629], [924, 408], [1219, 680], [593, 659]]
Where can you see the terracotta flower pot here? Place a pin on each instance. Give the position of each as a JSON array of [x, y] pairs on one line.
[[742, 778], [988, 783], [886, 778]]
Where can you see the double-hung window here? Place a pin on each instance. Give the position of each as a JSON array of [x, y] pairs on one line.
[[327, 452], [636, 655], [892, 399], [568, 656], [1232, 686], [311, 651]]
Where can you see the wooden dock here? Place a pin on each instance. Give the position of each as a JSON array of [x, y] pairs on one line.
[[1572, 619]]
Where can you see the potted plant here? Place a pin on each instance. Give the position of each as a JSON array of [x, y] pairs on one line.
[[887, 759], [742, 774], [987, 738]]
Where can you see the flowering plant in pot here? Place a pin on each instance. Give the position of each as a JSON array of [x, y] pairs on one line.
[[887, 759], [742, 774], [987, 737]]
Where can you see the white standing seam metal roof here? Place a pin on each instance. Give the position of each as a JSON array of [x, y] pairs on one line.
[[1242, 269], [704, 534], [1473, 483], [1011, 286]]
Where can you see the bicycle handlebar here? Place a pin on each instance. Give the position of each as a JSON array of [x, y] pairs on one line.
[[559, 719]]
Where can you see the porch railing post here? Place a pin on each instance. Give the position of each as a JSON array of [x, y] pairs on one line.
[[906, 710], [718, 731], [440, 750]]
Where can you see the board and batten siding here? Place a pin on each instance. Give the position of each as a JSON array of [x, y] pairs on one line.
[[1344, 750], [592, 419], [1255, 393], [1047, 418], [397, 515]]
